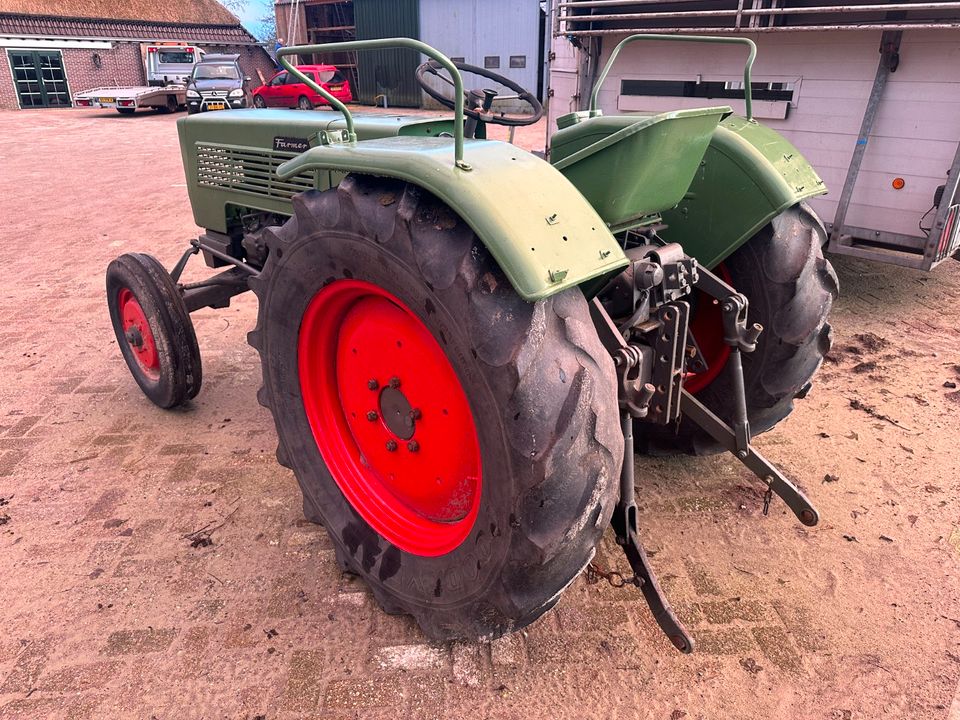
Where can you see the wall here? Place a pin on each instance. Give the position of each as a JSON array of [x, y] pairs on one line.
[[473, 29], [915, 136], [299, 36], [120, 65], [388, 72], [564, 80]]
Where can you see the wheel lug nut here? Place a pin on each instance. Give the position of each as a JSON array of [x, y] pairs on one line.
[[394, 382], [416, 414], [371, 416], [413, 446], [391, 445], [373, 384]]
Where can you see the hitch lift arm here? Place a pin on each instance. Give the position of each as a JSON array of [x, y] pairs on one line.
[[742, 338], [624, 519]]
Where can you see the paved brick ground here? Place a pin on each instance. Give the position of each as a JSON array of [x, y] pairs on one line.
[[107, 611]]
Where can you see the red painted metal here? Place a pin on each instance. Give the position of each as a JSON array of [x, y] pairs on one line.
[[421, 492], [134, 319], [706, 326]]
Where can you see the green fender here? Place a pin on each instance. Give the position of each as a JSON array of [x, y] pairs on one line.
[[749, 175], [543, 233]]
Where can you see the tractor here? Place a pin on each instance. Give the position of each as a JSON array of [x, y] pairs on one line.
[[464, 345]]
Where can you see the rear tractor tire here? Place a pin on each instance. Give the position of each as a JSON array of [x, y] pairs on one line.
[[460, 445], [791, 288], [153, 329]]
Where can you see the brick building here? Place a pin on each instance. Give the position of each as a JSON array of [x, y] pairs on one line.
[[54, 49]]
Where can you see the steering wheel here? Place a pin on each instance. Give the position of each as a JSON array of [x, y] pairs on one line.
[[478, 103]]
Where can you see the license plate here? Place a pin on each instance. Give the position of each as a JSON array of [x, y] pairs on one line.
[[216, 106], [336, 88], [107, 101]]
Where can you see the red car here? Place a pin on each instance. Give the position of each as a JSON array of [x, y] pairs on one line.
[[286, 90]]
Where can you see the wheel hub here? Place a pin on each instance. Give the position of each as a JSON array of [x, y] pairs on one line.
[[134, 337], [397, 413]]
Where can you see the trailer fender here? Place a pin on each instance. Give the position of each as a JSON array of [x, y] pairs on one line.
[[749, 175], [545, 236]]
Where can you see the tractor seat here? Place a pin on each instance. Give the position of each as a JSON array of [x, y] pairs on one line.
[[632, 166]]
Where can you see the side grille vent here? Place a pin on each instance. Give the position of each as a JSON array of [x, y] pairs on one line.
[[248, 170]]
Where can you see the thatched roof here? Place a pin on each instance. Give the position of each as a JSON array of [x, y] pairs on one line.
[[194, 12]]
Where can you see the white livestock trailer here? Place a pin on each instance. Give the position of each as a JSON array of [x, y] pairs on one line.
[[869, 92]]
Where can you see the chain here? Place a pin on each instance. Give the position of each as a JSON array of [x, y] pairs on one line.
[[767, 497], [616, 579]]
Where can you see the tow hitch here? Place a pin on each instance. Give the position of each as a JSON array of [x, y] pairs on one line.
[[651, 351]]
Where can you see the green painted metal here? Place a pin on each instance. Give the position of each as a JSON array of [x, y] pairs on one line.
[[747, 68], [545, 236], [749, 175], [254, 132], [388, 71], [375, 45], [658, 153]]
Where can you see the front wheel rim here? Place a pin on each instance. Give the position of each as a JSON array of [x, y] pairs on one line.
[[390, 417]]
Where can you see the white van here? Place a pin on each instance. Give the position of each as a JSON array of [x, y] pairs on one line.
[[170, 64]]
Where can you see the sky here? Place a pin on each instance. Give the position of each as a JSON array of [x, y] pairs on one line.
[[250, 13]]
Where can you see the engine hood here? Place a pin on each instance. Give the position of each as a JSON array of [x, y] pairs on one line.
[[202, 85]]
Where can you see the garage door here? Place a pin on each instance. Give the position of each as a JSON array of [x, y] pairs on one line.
[[39, 78]]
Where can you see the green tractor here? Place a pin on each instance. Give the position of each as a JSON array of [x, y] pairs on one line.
[[463, 344]]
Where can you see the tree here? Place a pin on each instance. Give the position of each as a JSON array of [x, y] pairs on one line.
[[267, 28]]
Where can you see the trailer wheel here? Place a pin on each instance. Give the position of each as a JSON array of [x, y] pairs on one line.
[[153, 329], [791, 288], [460, 445], [303, 103]]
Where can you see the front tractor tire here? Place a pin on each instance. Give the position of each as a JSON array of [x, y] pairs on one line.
[[153, 330], [791, 288], [461, 446]]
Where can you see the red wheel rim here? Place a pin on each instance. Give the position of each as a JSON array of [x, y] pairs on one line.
[[706, 326], [139, 337], [390, 417]]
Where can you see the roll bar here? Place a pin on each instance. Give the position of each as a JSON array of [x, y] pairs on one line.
[[399, 42]]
